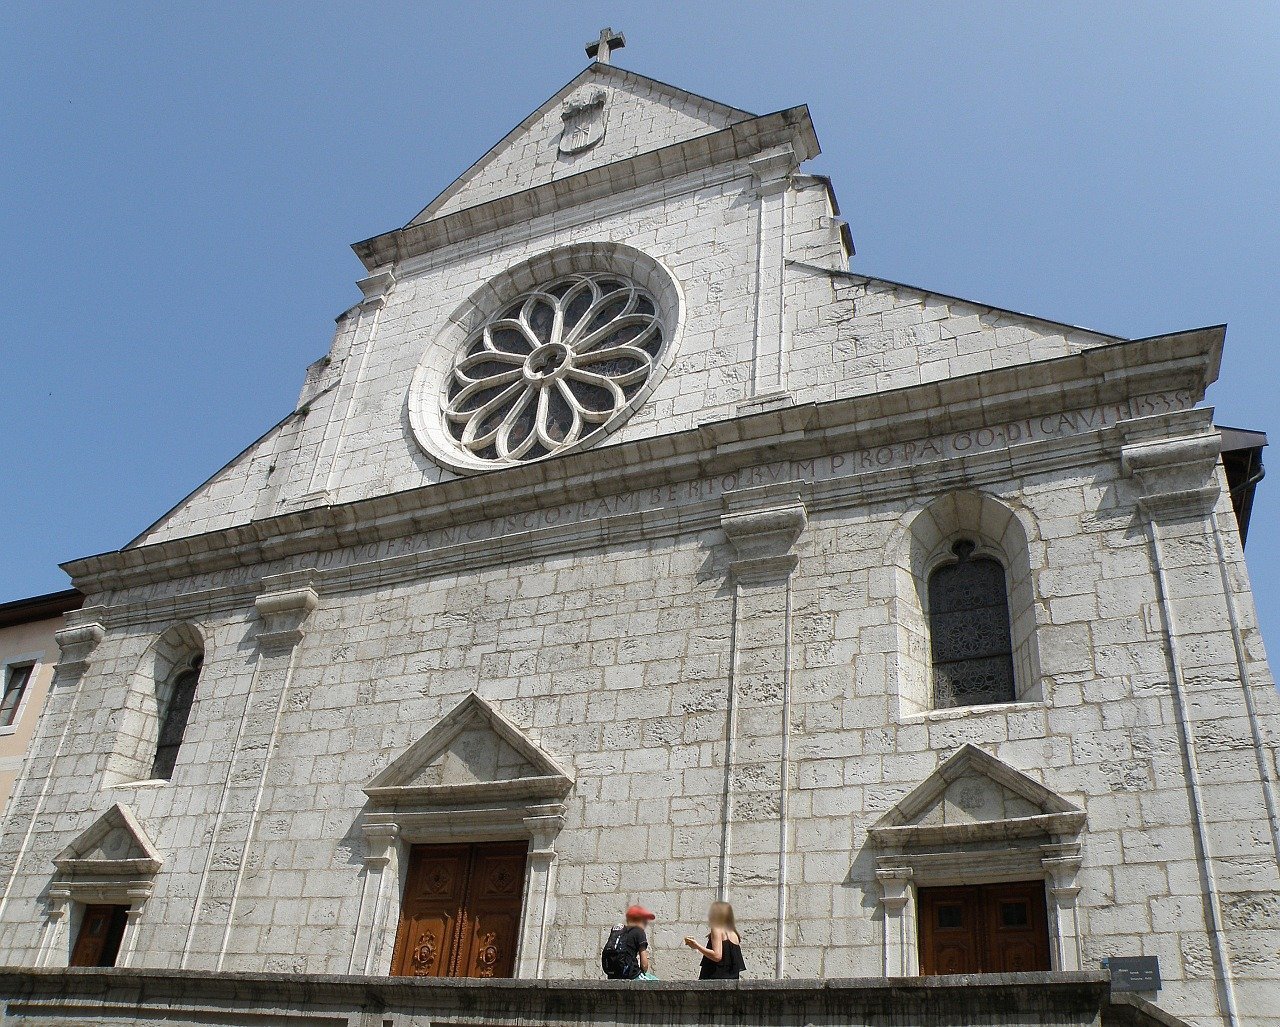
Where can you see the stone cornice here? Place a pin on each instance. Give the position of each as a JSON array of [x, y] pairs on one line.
[[1109, 374], [947, 835], [745, 139]]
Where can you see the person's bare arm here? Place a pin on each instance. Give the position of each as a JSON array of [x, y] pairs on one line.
[[716, 952], [644, 961]]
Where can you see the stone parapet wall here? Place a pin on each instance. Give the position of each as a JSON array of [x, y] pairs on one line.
[[43, 998]]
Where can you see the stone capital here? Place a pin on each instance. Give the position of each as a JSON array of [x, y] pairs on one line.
[[75, 643], [375, 289], [762, 525], [282, 609], [894, 882], [772, 170], [1173, 465], [379, 840], [1061, 864], [543, 829]]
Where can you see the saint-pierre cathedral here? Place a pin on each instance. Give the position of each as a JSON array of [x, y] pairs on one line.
[[626, 547]]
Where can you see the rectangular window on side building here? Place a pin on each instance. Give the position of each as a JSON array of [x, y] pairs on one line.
[[16, 679]]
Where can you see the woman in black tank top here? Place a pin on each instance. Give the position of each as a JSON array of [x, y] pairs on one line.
[[722, 955]]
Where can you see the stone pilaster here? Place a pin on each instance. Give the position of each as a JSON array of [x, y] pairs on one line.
[[761, 525], [382, 849], [899, 921], [376, 289], [282, 609], [539, 893], [1173, 463], [1061, 864], [771, 173]]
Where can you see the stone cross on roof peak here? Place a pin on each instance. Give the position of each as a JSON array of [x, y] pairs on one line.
[[602, 49]]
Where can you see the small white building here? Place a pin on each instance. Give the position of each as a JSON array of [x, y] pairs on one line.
[[626, 546]]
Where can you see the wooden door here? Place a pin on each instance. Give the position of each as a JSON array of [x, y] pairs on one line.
[[993, 928], [101, 931], [1017, 927], [949, 931], [434, 892], [460, 916]]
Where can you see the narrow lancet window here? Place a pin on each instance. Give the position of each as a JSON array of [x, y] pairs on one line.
[[969, 629], [175, 709]]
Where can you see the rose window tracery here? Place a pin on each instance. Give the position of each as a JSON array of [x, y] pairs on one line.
[[553, 366]]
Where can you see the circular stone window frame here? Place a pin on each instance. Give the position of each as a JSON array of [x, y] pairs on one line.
[[427, 397]]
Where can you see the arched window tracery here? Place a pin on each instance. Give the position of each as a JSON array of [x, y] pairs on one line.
[[175, 699], [969, 630]]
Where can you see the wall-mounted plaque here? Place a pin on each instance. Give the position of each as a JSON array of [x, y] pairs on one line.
[[1134, 973]]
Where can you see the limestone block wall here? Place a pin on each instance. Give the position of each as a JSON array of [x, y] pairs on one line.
[[839, 336], [639, 115], [620, 661]]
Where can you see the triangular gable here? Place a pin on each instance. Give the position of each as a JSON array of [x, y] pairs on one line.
[[115, 844], [638, 114], [974, 797], [473, 754]]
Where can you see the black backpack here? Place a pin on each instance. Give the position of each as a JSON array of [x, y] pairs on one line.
[[618, 963]]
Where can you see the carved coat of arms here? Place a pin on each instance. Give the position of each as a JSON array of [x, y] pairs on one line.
[[583, 118]]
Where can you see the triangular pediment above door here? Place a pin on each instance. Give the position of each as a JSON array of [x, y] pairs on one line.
[[114, 844], [974, 797], [473, 754]]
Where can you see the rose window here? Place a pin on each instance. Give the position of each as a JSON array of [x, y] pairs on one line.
[[552, 367]]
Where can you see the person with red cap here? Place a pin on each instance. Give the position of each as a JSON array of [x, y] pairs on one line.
[[626, 953]]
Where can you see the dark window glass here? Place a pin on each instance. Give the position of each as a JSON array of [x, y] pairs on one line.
[[950, 916], [16, 680], [969, 629], [173, 720], [1013, 914]]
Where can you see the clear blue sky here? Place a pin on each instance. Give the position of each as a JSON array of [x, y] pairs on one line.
[[180, 182]]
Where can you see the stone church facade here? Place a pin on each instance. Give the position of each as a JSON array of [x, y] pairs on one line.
[[627, 547]]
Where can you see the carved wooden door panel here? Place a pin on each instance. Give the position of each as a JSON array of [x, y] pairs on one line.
[[1017, 928], [434, 891], [949, 931], [460, 916], [101, 931], [492, 928], [993, 928]]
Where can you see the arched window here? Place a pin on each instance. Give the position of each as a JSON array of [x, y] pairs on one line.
[[969, 630], [175, 700]]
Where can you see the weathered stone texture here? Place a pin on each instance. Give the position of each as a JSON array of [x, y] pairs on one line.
[[715, 622]]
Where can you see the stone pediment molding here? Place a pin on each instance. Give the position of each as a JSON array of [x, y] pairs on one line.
[[791, 127], [473, 755], [116, 845], [972, 798], [596, 78]]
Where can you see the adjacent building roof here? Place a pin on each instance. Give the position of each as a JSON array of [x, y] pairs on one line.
[[42, 607]]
